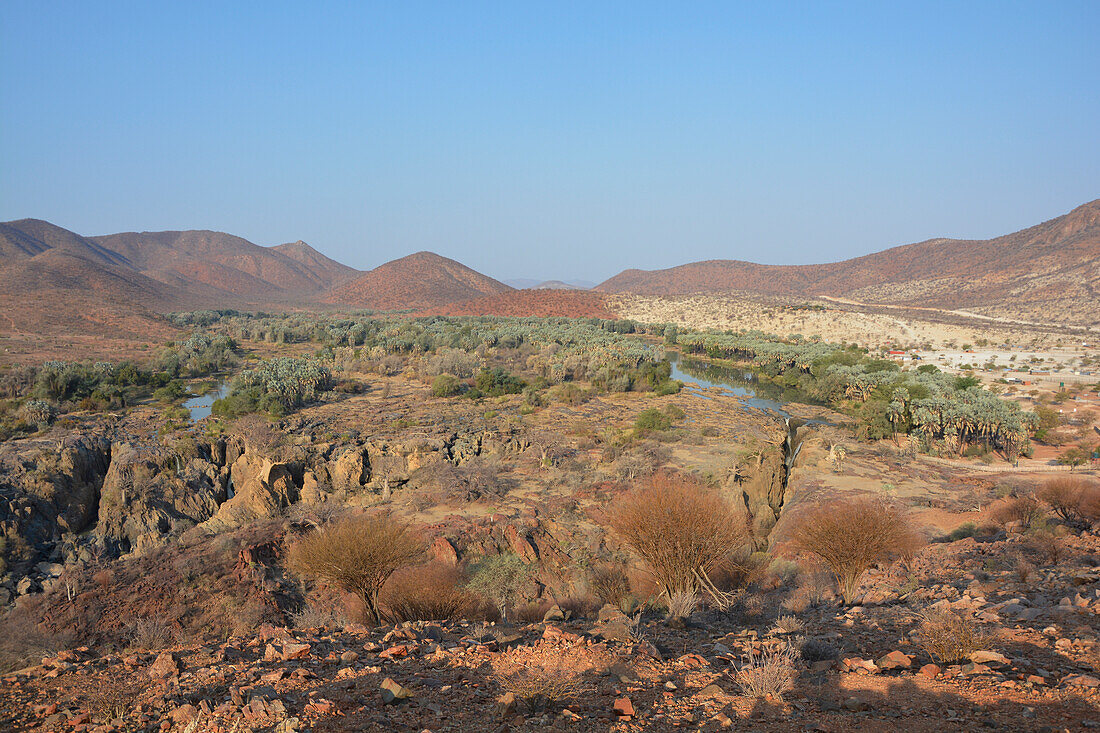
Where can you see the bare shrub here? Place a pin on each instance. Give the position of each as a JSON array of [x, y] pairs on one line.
[[678, 527], [358, 555], [1069, 497], [769, 673], [948, 637], [319, 617], [1023, 569], [431, 592], [149, 633], [1024, 511], [682, 604], [1048, 546], [543, 676], [543, 688], [816, 650], [530, 613], [789, 624], [851, 536], [610, 583]]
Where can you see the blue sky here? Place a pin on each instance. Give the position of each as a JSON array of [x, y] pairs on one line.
[[554, 139]]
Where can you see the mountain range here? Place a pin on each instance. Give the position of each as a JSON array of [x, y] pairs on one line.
[[53, 279]]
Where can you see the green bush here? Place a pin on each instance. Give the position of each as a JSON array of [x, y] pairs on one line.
[[446, 385], [499, 579], [652, 420]]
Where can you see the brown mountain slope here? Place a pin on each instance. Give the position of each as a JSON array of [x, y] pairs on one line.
[[1051, 270], [26, 238], [60, 294], [332, 271], [227, 264], [419, 281]]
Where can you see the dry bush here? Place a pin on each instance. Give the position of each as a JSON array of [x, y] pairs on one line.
[[579, 606], [682, 604], [531, 612], [1071, 498], [610, 583], [1048, 546], [316, 616], [544, 675], [948, 637], [358, 555], [541, 688], [431, 592], [789, 624], [678, 527], [769, 673], [150, 633], [851, 536], [258, 434], [1024, 511], [1023, 569]]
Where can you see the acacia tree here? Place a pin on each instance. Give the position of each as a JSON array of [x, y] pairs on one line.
[[851, 536], [358, 555]]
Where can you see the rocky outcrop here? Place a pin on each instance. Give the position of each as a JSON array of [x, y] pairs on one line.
[[150, 494]]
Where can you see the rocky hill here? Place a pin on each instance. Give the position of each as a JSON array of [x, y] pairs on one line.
[[418, 281], [226, 266], [1047, 272], [329, 268]]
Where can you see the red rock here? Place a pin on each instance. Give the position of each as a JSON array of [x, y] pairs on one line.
[[623, 707], [395, 652], [295, 651], [693, 660], [443, 551], [184, 714], [165, 667], [929, 670], [1081, 680], [895, 660]]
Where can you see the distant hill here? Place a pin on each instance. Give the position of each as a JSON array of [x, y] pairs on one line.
[[418, 281], [1049, 271], [225, 264], [526, 283], [331, 270]]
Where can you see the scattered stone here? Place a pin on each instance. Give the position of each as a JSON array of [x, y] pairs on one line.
[[165, 667], [623, 708], [1081, 680], [392, 691], [931, 671], [895, 660]]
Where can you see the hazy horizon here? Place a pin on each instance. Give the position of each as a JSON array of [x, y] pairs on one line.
[[562, 143]]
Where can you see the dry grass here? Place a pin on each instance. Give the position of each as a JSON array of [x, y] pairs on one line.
[[948, 637], [768, 674], [544, 687], [358, 555], [677, 526], [851, 536]]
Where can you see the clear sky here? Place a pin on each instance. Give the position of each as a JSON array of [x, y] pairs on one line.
[[552, 139]]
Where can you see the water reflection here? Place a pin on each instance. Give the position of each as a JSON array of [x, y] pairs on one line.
[[741, 382], [201, 406]]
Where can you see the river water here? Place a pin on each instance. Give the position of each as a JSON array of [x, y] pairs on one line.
[[201, 406]]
